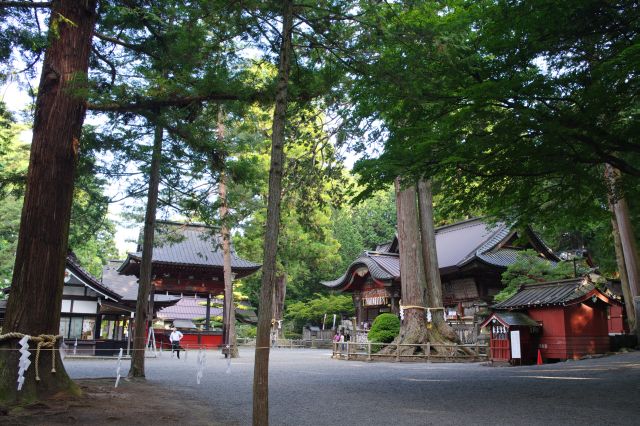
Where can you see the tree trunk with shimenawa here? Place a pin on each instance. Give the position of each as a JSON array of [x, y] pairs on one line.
[[35, 301]]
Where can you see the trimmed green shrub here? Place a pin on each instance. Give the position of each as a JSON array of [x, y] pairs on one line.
[[246, 331], [384, 329]]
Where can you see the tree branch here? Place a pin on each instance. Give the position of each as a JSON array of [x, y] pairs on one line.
[[44, 4]]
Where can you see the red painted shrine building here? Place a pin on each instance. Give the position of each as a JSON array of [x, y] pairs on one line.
[[471, 256], [187, 262], [563, 319]]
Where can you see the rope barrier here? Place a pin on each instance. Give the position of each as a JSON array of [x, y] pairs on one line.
[[43, 341], [422, 307]]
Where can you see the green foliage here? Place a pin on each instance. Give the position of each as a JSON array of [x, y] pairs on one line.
[[530, 268], [313, 310], [384, 329], [246, 331], [364, 225], [91, 232], [513, 106]]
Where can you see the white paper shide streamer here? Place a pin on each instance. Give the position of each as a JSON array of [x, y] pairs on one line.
[[24, 362], [201, 360], [118, 368]]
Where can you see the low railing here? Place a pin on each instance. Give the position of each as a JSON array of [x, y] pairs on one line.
[[443, 352], [290, 343]]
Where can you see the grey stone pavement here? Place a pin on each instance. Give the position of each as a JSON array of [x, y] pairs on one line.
[[307, 387]]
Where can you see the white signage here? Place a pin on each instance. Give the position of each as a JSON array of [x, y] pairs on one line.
[[515, 344]]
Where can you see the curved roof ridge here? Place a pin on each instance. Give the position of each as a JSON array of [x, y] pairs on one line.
[[467, 223], [501, 232]]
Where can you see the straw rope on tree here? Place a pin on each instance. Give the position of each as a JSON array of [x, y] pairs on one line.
[[43, 341], [415, 259]]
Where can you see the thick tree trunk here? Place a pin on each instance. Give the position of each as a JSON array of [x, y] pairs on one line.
[[626, 234], [143, 316], [261, 368], [229, 318], [38, 278], [622, 268], [412, 328], [430, 258]]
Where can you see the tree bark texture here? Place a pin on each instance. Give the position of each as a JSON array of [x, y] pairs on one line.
[[278, 300], [229, 318], [626, 234], [622, 268], [412, 328], [261, 366], [38, 278], [143, 316], [430, 258]]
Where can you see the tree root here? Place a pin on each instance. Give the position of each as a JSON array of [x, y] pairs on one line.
[[418, 338]]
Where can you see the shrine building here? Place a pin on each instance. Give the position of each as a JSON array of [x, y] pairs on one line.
[[471, 256]]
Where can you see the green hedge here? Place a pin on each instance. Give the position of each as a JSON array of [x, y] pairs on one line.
[[384, 329]]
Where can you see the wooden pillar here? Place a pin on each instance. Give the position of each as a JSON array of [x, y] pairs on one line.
[[207, 316], [357, 301], [98, 325]]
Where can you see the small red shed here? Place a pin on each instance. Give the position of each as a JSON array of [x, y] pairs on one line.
[[514, 337], [573, 314]]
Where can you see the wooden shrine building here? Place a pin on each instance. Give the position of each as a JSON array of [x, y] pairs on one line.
[[187, 261], [573, 316], [471, 256], [95, 317]]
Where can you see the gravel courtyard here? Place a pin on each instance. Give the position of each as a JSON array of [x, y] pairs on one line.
[[307, 387]]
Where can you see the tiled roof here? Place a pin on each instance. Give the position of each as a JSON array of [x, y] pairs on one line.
[[127, 285], [90, 280], [191, 308], [565, 292], [510, 319], [188, 308], [457, 245], [381, 266], [192, 245]]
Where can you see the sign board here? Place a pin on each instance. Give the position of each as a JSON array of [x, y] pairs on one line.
[[515, 344]]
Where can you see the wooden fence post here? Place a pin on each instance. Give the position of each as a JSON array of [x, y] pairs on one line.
[[368, 351], [428, 351], [397, 352]]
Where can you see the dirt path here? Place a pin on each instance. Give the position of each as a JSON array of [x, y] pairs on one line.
[[132, 403]]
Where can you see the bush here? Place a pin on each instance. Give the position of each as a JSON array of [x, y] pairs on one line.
[[246, 331], [384, 329], [530, 268], [313, 310]]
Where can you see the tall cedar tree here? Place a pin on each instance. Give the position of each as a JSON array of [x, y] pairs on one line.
[[38, 278], [261, 367], [144, 305]]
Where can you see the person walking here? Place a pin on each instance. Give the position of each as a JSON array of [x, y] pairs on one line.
[[175, 338]]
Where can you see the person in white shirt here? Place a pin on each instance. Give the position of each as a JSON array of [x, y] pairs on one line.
[[175, 338]]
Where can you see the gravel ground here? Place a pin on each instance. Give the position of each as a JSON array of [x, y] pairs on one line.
[[307, 387]]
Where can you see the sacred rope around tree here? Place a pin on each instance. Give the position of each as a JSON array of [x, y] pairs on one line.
[[43, 341]]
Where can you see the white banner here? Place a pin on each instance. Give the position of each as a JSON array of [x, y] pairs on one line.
[[515, 344]]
